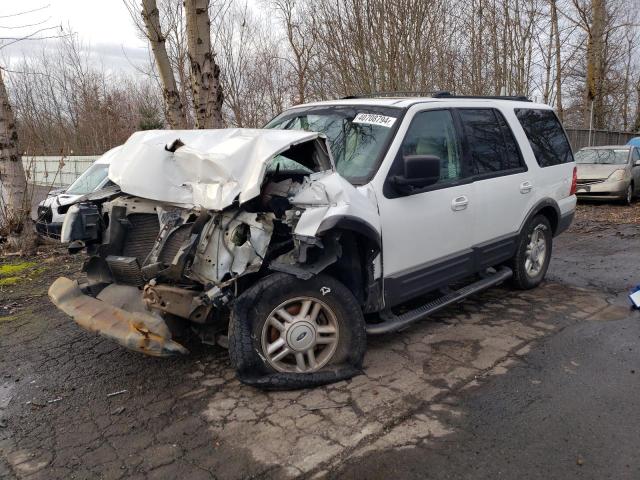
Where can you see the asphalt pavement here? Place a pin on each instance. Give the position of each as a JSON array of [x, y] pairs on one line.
[[569, 409], [507, 384]]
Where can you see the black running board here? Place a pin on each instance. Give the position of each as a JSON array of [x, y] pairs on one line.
[[392, 322]]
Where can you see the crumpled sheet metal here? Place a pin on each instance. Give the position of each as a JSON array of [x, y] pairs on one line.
[[217, 255], [136, 331], [210, 170], [327, 194]]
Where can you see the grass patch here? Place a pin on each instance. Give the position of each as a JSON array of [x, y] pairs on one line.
[[13, 273], [7, 281], [11, 269]]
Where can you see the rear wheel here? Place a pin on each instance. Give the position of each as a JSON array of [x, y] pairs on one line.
[[531, 261], [291, 333]]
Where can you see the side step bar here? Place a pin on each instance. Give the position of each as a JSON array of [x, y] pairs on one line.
[[392, 322]]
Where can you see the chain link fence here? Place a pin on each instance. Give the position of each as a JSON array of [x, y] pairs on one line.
[[47, 173], [55, 171]]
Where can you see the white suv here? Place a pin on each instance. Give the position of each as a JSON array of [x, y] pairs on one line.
[[288, 244]]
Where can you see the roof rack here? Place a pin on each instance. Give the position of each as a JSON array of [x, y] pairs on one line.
[[437, 94], [430, 93], [518, 98]]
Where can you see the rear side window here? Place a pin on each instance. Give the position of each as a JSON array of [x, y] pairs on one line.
[[546, 137], [490, 142]]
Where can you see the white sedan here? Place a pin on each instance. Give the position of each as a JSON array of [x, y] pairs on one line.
[[49, 219]]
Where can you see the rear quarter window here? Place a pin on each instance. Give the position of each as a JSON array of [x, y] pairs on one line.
[[546, 136], [490, 142]]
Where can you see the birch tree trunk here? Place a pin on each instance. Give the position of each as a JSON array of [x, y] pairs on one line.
[[205, 73], [174, 110], [15, 207], [556, 35]]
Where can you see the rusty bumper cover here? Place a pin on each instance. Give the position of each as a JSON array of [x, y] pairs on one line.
[[136, 331]]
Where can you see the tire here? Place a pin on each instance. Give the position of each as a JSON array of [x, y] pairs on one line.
[[628, 197], [339, 325], [525, 277]]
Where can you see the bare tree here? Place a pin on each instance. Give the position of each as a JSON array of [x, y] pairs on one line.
[[13, 196], [66, 103], [301, 41], [14, 201], [636, 123], [555, 35], [174, 107], [205, 73]]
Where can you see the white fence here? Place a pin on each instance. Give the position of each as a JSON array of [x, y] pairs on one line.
[[56, 171]]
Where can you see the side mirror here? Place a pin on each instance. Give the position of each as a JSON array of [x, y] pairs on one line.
[[636, 163], [419, 171]]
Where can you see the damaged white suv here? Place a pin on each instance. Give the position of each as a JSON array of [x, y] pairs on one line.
[[289, 244]]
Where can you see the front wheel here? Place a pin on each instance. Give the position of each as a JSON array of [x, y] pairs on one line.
[[628, 196], [531, 261], [290, 333]]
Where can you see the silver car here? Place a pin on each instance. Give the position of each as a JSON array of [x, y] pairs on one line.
[[611, 172]]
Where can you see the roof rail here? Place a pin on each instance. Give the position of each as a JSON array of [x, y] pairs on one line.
[[437, 94], [518, 98], [393, 94]]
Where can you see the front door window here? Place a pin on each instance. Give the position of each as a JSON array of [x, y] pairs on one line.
[[433, 133]]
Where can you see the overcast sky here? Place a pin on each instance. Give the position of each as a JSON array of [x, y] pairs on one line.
[[104, 25]]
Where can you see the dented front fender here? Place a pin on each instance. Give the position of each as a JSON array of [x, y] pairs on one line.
[[141, 332]]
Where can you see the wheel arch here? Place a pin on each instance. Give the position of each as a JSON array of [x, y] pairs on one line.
[[346, 248], [547, 207], [351, 224], [361, 243]]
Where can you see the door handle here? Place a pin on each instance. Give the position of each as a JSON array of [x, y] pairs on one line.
[[459, 203], [526, 187]]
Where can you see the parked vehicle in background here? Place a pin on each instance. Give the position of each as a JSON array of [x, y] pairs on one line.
[[609, 172], [289, 244], [49, 218]]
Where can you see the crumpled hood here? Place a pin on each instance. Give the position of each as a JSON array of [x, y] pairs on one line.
[[210, 170]]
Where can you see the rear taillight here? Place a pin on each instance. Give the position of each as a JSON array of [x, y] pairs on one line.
[[574, 182]]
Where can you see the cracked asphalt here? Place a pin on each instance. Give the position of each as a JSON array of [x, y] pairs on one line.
[[508, 384]]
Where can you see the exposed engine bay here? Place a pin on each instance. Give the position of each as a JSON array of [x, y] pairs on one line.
[[197, 218]]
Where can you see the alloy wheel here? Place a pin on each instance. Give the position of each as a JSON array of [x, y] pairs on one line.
[[536, 252], [300, 335]]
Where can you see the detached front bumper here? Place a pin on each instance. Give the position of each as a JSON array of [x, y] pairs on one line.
[[140, 332]]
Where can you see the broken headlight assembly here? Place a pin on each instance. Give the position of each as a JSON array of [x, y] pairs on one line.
[[81, 226]]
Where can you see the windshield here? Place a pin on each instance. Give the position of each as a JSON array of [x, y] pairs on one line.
[[89, 180], [357, 135], [603, 156]]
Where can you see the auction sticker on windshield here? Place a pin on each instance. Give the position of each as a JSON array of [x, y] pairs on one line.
[[374, 119]]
